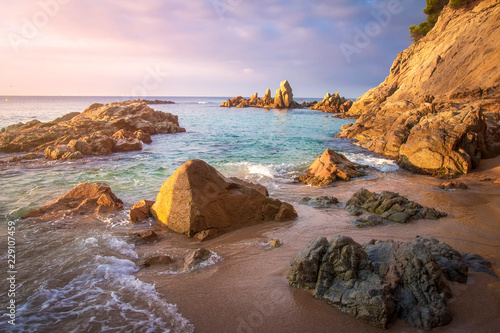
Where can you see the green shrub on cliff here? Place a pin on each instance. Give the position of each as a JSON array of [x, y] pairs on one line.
[[433, 9]]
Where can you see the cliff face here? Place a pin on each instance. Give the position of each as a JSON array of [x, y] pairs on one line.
[[438, 111]]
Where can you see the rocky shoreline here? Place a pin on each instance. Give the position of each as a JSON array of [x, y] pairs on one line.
[[428, 115]]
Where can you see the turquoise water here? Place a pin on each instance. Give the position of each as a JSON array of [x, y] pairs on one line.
[[267, 146]]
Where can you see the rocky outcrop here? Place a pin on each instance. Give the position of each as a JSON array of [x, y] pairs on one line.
[[84, 199], [438, 111], [197, 199], [330, 167], [99, 130], [282, 100], [381, 280], [390, 206], [333, 104]]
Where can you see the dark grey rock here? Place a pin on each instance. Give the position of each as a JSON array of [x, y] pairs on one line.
[[320, 202], [382, 280], [391, 206], [417, 284], [347, 280], [305, 266], [478, 264], [370, 221], [449, 260], [157, 260]]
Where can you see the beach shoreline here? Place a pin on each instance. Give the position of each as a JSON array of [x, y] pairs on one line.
[[248, 291]]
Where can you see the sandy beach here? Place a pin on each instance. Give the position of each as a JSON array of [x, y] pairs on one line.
[[248, 291]]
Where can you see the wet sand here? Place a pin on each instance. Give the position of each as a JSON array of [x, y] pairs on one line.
[[248, 291]]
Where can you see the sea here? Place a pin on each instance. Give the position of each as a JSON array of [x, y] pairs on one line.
[[83, 277]]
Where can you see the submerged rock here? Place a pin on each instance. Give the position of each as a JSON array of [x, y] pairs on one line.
[[274, 243], [320, 202], [84, 199], [197, 257], [197, 198], [98, 130], [390, 206], [145, 236], [451, 185], [329, 168], [381, 280], [157, 260]]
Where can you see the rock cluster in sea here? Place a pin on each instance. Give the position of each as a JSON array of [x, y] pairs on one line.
[[330, 167], [333, 104], [382, 280], [283, 99], [437, 111], [99, 130]]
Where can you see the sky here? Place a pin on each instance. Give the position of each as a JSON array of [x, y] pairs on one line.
[[200, 47]]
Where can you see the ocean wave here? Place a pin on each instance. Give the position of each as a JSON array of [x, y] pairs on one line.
[[267, 173], [97, 299], [377, 162]]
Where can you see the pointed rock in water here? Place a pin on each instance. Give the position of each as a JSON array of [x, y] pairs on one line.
[[329, 168], [197, 198], [391, 206], [84, 199]]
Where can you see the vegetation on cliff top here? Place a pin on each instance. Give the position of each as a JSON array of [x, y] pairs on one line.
[[433, 9]]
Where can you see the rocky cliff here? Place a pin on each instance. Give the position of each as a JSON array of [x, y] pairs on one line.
[[438, 111]]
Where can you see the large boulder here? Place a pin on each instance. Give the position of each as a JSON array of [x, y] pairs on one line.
[[330, 167], [84, 199], [381, 280], [197, 198]]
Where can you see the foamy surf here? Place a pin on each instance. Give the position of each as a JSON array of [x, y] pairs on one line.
[[95, 292]]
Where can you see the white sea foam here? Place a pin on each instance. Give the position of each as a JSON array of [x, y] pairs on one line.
[[377, 162], [97, 299]]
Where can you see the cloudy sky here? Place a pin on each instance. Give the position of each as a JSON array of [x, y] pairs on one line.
[[200, 47]]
